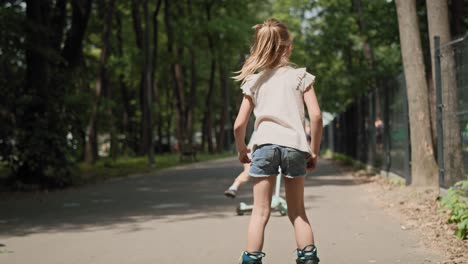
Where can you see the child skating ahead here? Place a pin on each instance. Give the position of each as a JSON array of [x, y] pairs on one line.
[[277, 94], [242, 178]]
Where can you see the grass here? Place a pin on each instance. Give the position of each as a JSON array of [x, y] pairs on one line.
[[397, 181], [345, 160], [105, 169], [456, 203], [3, 170]]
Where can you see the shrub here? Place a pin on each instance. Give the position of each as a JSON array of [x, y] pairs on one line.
[[456, 201]]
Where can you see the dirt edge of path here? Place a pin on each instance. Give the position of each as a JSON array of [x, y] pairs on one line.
[[419, 210]]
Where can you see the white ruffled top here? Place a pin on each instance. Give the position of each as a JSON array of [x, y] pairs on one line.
[[279, 106]]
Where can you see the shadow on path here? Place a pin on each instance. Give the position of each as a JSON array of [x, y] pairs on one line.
[[191, 192]]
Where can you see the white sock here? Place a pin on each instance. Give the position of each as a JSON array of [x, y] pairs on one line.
[[233, 188]]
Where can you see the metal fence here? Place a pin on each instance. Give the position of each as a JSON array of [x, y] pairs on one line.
[[375, 130], [451, 75]]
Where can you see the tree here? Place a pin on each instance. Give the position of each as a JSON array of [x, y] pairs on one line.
[[223, 81], [208, 116], [423, 165], [49, 50], [148, 88], [438, 21], [153, 73], [101, 82], [123, 87], [176, 45], [60, 77], [142, 41], [369, 56]]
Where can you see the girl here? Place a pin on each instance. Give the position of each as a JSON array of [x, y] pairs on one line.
[[277, 95], [242, 178]]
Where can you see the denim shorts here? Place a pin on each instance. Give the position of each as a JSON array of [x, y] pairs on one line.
[[267, 159]]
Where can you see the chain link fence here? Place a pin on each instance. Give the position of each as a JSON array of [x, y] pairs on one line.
[[451, 79], [375, 130]]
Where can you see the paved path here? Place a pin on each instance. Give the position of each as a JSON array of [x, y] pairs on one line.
[[180, 216]]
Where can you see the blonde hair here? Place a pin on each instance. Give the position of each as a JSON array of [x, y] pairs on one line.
[[271, 42]]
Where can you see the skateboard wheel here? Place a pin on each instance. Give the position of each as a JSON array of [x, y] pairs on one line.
[[239, 211]]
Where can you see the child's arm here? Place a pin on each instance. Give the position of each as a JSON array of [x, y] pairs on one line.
[[240, 126], [315, 117]]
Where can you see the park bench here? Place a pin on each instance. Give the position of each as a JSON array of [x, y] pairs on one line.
[[188, 154]]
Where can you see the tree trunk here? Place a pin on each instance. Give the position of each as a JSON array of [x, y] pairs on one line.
[[148, 88], [179, 91], [371, 66], [423, 165], [207, 116], [170, 110], [41, 122], [58, 22], [123, 89], [91, 148], [183, 106], [192, 102], [153, 74], [438, 21], [136, 19], [160, 132], [142, 39], [362, 25], [170, 51], [31, 170], [109, 94], [139, 41], [190, 109], [155, 44], [224, 109], [73, 49]]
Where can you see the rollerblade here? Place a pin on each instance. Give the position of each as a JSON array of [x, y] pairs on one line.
[[307, 256], [251, 257]]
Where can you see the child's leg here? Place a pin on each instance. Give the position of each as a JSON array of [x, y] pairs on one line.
[[242, 178], [263, 191], [296, 211]]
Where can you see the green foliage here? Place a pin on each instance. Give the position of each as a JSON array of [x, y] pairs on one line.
[[456, 201], [348, 161], [33, 140], [44, 127], [396, 181], [335, 49], [12, 70]]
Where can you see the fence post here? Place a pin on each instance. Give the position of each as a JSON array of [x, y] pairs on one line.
[[386, 128], [331, 140], [359, 129], [440, 107], [407, 163], [372, 134]]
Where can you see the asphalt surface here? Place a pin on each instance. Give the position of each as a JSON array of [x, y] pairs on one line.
[[181, 216]]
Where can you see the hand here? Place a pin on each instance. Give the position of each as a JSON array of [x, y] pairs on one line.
[[243, 157], [312, 162]]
